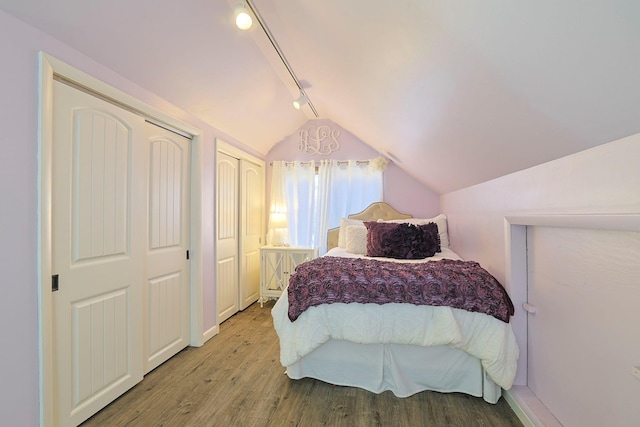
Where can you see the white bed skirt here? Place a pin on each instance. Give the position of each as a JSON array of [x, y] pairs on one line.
[[402, 369]]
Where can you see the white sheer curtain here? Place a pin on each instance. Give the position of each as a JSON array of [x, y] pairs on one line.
[[300, 188], [278, 208], [315, 196], [355, 185]]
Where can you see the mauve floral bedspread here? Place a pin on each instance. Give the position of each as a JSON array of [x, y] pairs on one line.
[[458, 284]]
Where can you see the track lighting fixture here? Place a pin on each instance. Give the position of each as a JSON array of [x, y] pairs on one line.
[[243, 17], [301, 101]]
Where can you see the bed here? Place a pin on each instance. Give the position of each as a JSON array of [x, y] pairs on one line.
[[402, 347]]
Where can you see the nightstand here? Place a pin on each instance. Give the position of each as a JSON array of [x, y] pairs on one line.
[[277, 264]]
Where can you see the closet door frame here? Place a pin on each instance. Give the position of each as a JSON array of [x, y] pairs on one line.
[[226, 148], [50, 68]]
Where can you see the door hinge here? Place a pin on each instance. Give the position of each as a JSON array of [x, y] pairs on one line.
[[187, 253], [54, 283]]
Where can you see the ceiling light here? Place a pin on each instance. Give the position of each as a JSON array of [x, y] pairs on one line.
[[243, 17], [301, 101]]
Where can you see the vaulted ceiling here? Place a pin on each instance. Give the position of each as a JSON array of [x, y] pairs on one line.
[[456, 92]]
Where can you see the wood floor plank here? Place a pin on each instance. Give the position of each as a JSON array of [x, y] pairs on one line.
[[236, 379]]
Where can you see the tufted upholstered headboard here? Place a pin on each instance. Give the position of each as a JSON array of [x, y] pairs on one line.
[[373, 212]]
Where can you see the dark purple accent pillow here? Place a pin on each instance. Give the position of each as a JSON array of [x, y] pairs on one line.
[[402, 240]]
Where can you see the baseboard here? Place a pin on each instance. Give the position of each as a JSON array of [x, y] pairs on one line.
[[528, 408], [210, 333], [206, 336], [519, 411]]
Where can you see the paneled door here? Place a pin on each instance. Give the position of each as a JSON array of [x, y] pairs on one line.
[[580, 361], [252, 216], [166, 292], [227, 236], [98, 205]]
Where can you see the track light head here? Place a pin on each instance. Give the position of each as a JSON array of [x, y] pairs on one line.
[[301, 101], [243, 18]]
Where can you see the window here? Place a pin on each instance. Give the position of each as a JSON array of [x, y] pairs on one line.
[[315, 196]]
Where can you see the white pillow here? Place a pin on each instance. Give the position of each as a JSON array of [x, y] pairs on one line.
[[356, 239], [342, 233], [440, 220]]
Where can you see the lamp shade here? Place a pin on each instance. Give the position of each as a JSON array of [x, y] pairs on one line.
[[278, 220], [278, 228]]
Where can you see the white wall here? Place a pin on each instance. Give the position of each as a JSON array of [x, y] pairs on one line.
[[602, 180], [19, 47]]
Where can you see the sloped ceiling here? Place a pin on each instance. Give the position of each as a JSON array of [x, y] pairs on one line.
[[456, 92]]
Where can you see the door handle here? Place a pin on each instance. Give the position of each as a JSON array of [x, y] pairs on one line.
[[529, 308]]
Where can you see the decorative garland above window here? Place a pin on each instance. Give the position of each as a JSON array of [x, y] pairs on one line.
[[320, 140], [380, 163]]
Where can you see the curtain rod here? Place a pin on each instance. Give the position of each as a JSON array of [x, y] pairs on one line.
[[316, 163]]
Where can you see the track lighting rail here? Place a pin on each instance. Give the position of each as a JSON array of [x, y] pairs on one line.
[[276, 47]]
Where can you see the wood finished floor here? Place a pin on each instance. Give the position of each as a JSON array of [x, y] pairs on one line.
[[236, 379]]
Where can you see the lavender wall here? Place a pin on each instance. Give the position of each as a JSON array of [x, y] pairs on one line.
[[19, 47], [400, 190], [602, 180], [18, 181]]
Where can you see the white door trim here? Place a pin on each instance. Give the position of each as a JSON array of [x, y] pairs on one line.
[[233, 151], [50, 67], [236, 152]]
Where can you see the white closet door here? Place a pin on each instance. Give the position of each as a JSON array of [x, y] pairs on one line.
[[580, 361], [98, 198], [227, 233], [252, 217], [166, 294]]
